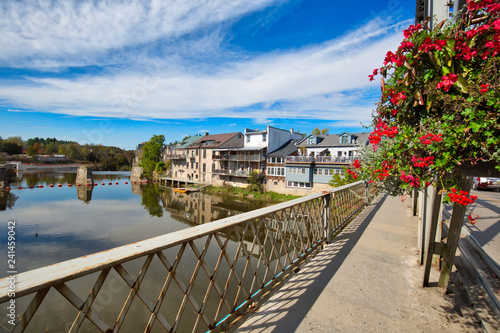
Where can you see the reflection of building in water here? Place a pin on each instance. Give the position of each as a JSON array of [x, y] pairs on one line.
[[137, 189], [84, 193]]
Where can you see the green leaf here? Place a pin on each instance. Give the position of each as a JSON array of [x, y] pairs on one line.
[[474, 126]]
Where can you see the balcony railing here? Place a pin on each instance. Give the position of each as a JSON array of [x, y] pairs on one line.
[[239, 157], [320, 159], [199, 279], [236, 173], [175, 156], [300, 159]]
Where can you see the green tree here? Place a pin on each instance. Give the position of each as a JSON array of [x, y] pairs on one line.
[[151, 153], [33, 150], [317, 131], [255, 181]]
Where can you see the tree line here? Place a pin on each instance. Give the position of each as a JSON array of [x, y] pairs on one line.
[[103, 157]]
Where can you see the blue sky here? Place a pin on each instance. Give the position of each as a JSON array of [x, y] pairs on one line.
[[117, 72]]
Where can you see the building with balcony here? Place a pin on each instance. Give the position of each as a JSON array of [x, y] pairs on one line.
[[275, 166], [236, 165]]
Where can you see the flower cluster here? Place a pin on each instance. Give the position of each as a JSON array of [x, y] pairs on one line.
[[491, 6], [430, 138], [447, 82], [382, 130], [383, 173], [484, 88], [397, 97], [353, 174], [395, 58], [461, 197], [411, 30], [429, 45], [413, 181], [372, 76], [356, 164], [422, 162]]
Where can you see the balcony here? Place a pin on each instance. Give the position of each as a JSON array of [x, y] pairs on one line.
[[239, 157], [320, 159], [174, 156], [235, 173], [299, 159]]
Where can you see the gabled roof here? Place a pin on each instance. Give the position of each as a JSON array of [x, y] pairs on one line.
[[218, 141], [290, 147]]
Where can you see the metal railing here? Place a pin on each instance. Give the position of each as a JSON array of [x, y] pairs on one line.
[[320, 159], [237, 173], [199, 279]]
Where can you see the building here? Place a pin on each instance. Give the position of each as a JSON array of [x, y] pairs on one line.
[[321, 157], [236, 165], [275, 166], [202, 164], [178, 154]]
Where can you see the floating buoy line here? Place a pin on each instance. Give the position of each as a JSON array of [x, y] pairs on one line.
[[140, 182]]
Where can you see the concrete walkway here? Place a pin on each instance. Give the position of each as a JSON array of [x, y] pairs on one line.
[[367, 280]]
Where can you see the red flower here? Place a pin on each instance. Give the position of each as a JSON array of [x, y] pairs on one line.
[[484, 88], [447, 82]]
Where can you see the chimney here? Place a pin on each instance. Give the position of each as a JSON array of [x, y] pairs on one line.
[[206, 133], [291, 131]]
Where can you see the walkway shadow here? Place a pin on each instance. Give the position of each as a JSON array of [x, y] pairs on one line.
[[289, 306]]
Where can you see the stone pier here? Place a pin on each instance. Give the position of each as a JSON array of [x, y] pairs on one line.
[[84, 176], [4, 182], [136, 174]]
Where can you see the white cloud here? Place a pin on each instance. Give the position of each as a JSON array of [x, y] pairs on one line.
[[324, 81], [73, 33]]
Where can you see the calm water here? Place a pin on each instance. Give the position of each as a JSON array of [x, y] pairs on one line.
[[57, 224]]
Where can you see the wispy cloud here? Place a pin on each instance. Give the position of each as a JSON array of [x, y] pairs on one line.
[[323, 81], [79, 32]]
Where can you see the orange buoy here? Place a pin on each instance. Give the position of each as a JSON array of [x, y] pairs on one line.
[[8, 188], [126, 183], [78, 184], [51, 185], [135, 181], [95, 184], [31, 186], [69, 185], [88, 184], [110, 184], [140, 181], [59, 185], [117, 183], [19, 187], [40, 186], [103, 184]]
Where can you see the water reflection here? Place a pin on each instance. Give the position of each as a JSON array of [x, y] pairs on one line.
[[7, 200], [84, 193]]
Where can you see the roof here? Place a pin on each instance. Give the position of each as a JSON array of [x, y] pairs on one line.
[[188, 141], [219, 141], [333, 140], [290, 147]]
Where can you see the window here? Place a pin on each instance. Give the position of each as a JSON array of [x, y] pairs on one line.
[[264, 137], [204, 167], [298, 184], [248, 138], [275, 171], [196, 165], [204, 153], [344, 139]]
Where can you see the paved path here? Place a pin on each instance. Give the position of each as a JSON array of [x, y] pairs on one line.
[[367, 280]]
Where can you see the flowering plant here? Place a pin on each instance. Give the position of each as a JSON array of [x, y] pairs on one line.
[[440, 102]]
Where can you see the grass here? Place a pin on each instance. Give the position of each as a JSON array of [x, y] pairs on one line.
[[272, 197]]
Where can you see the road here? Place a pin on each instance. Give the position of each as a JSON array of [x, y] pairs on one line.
[[486, 230]]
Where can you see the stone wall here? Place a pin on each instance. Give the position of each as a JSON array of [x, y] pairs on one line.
[[136, 173], [84, 176]]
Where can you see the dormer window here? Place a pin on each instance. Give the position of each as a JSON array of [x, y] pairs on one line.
[[344, 139], [311, 140]]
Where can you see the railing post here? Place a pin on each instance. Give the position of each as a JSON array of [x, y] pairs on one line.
[[456, 223], [431, 232], [327, 225]]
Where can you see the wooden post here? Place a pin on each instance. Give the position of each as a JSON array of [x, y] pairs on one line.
[[431, 233], [327, 225], [422, 227], [415, 202], [457, 220]]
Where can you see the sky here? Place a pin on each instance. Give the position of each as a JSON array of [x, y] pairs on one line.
[[116, 72]]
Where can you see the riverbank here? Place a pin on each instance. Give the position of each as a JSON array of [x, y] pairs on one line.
[[271, 197]]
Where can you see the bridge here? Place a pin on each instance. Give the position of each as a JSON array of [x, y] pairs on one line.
[[212, 277]]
